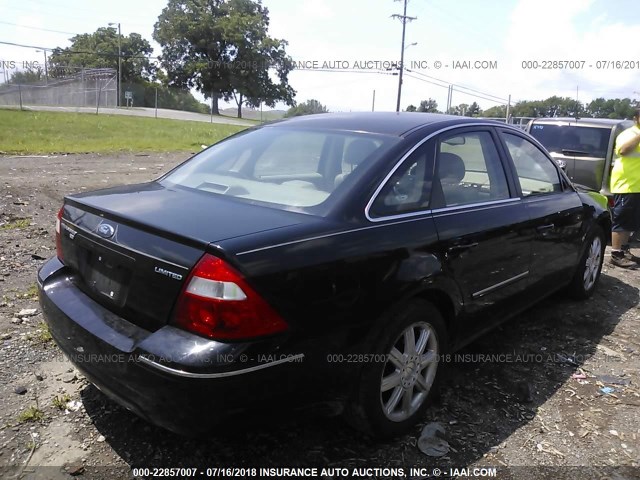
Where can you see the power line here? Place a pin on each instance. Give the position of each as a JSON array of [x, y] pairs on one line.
[[66, 51], [475, 95], [24, 46], [460, 86], [426, 81], [459, 91], [38, 28]]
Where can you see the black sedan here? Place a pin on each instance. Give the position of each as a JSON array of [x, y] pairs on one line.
[[332, 256]]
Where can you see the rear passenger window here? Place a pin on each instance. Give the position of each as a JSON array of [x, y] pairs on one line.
[[408, 189], [536, 172], [469, 169]]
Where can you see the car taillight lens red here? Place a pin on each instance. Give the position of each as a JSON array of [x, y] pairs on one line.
[[217, 302], [611, 202], [58, 234]]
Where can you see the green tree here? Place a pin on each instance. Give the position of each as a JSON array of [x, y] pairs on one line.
[[563, 107], [100, 50], [551, 107], [221, 48], [474, 110], [428, 106], [610, 108], [461, 109], [139, 74], [499, 111], [623, 108], [28, 76], [600, 108], [411, 108], [528, 108], [310, 107]]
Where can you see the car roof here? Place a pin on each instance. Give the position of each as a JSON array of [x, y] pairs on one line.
[[589, 122], [385, 123]]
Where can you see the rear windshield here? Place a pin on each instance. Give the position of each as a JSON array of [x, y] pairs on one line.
[[573, 141], [281, 166]]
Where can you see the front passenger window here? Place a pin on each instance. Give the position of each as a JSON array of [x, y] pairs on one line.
[[470, 170]]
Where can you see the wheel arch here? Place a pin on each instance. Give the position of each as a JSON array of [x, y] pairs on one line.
[[605, 222], [447, 308]]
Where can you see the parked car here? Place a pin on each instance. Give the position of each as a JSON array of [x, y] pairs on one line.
[[334, 254], [584, 146]]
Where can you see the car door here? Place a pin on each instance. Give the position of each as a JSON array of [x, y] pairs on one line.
[[555, 210], [481, 224]]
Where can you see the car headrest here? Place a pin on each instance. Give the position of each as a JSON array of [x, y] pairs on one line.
[[358, 150], [450, 168]]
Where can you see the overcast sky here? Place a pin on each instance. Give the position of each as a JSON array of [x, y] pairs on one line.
[[504, 33]]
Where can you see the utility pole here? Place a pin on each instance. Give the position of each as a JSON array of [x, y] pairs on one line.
[[119, 60], [506, 118], [373, 102], [46, 68], [404, 19]]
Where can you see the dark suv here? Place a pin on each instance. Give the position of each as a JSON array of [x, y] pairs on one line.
[[585, 146]]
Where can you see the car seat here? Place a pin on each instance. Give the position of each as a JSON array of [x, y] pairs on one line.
[[451, 171], [355, 153]]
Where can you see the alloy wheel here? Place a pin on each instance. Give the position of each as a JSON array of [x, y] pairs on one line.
[[409, 371], [592, 266]]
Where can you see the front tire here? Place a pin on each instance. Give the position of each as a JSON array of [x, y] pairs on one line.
[[393, 393], [587, 275]]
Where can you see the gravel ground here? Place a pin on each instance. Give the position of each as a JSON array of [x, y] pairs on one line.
[[555, 388]]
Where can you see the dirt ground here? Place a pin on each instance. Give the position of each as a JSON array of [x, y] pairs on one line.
[[555, 388]]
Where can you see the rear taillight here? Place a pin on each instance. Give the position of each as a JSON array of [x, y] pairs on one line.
[[611, 202], [217, 302], [58, 234]]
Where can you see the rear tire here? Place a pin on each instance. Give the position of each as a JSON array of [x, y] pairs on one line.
[[587, 275], [394, 391]]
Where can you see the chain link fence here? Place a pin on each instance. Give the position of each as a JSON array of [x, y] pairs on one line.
[[91, 87], [95, 90]]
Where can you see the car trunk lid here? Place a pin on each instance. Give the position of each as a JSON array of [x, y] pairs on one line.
[[132, 248]]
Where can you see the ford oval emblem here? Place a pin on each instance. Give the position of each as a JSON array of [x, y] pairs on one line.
[[106, 231]]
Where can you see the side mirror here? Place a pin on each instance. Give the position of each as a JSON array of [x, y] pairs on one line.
[[561, 163]]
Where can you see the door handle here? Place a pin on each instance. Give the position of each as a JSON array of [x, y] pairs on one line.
[[544, 228], [461, 248]]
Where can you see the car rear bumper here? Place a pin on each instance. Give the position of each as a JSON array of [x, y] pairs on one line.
[[179, 381]]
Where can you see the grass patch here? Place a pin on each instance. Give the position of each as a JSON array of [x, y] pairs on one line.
[[41, 335], [32, 292], [44, 335], [21, 223], [30, 132], [31, 414], [60, 402]]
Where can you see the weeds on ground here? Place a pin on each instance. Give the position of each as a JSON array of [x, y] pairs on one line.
[[31, 292], [60, 402], [31, 414], [20, 223], [41, 335]]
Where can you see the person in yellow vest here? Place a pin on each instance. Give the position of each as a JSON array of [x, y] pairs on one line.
[[625, 186]]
